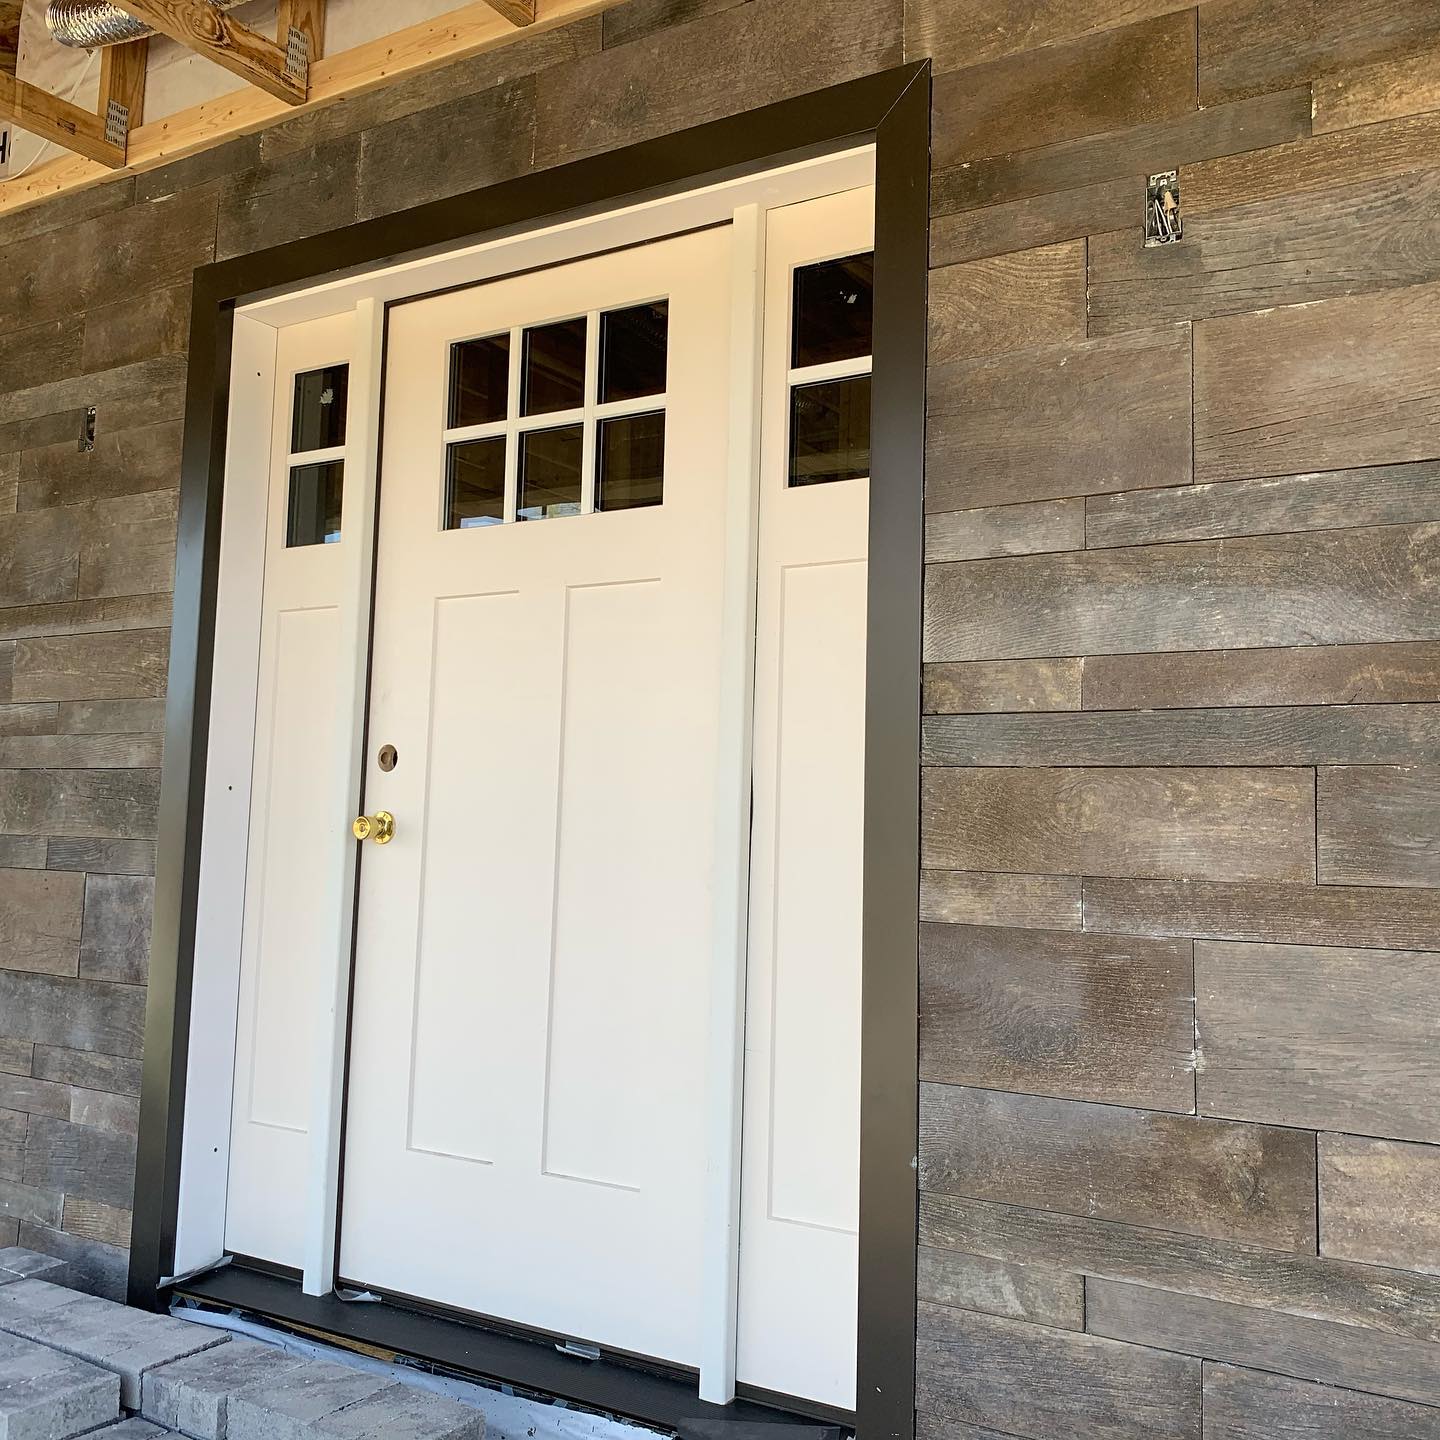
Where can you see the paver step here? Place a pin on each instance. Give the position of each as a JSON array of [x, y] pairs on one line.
[[192, 1395], [45, 1395], [114, 1337]]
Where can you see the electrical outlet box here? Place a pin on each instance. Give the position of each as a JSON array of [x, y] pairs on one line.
[[1163, 224]]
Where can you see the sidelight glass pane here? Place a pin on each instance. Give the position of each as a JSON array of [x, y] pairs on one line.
[[475, 483], [633, 347], [550, 473], [316, 495], [318, 421], [830, 431], [834, 311], [479, 381], [632, 462], [554, 368]]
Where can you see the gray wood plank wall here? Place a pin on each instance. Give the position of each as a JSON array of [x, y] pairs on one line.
[[1181, 953]]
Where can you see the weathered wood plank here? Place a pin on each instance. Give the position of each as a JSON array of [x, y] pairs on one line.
[[111, 717], [123, 462], [28, 719], [101, 666], [119, 1114], [729, 62], [1320, 1036], [1008, 302], [1332, 735], [73, 1014], [1292, 1345], [27, 1203], [101, 856], [1039, 220], [115, 943], [121, 804], [1106, 81], [91, 1220], [956, 33], [1328, 587], [1247, 1405], [1309, 675], [75, 617], [137, 327], [1029, 1380], [1354, 916], [1330, 500], [1042, 526], [1022, 902], [1002, 685], [50, 351], [1017, 1292], [1281, 173], [1378, 1202], [1125, 155], [1082, 419], [113, 1073], [1388, 90], [40, 921], [16, 1057], [34, 1097], [1394, 1301], [13, 1126], [1080, 1017], [39, 557], [638, 19], [1247, 46], [1176, 823], [1377, 235], [78, 752], [129, 546], [22, 852], [1281, 392], [1378, 826], [78, 1160], [301, 193], [1250, 1183]]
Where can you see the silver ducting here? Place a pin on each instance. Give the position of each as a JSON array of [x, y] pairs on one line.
[[88, 24]]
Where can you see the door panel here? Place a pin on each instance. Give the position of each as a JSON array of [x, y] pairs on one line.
[[528, 1145]]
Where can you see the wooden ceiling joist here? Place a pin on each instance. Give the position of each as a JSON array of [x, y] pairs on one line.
[[52, 118], [517, 12], [271, 66]]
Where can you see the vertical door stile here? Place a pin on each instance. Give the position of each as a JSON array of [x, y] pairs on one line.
[[327, 1099], [721, 1261]]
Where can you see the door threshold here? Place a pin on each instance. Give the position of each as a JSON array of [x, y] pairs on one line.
[[469, 1350]]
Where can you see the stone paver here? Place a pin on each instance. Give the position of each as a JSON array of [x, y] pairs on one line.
[[289, 1408], [114, 1337], [404, 1413], [18, 1264], [45, 1395], [192, 1395]]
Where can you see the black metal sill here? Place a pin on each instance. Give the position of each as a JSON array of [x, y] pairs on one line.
[[469, 1350]]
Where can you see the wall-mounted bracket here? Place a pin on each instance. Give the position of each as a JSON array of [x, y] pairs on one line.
[[1163, 224]]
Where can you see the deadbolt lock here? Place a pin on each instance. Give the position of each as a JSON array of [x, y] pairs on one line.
[[379, 827]]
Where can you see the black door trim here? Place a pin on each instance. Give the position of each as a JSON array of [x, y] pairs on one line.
[[891, 109]]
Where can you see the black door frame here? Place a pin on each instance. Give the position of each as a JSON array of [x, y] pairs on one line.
[[892, 109]]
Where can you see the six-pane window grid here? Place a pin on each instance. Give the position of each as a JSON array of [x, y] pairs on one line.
[[317, 456], [564, 418]]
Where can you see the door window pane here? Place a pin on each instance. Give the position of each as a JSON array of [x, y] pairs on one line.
[[554, 367], [316, 494], [632, 462], [834, 311], [475, 484], [550, 473], [830, 431], [318, 422], [479, 381], [633, 346]]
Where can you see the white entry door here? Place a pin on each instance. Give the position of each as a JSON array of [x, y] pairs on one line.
[[534, 957]]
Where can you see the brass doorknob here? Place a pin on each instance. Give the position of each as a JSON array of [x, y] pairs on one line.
[[379, 827]]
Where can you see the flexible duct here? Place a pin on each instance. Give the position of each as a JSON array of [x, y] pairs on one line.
[[88, 24]]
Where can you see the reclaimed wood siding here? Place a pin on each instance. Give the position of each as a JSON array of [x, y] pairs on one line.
[[1208, 1091], [1182, 641]]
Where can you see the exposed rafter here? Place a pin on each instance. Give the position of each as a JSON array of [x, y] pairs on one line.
[[122, 85], [52, 118], [306, 16], [517, 12], [275, 68]]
